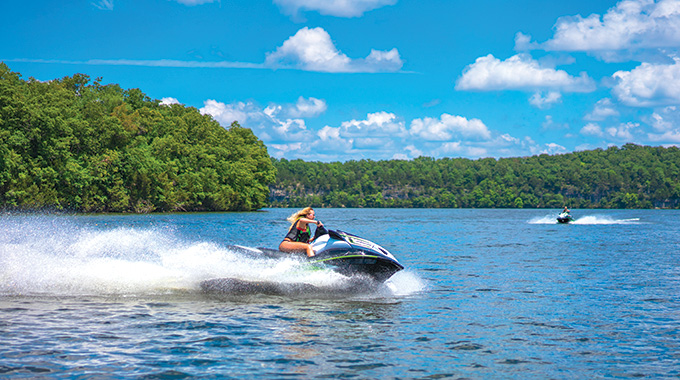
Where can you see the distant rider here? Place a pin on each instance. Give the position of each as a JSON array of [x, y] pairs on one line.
[[299, 235]]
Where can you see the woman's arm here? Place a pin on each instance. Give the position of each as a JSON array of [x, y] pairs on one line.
[[311, 221]]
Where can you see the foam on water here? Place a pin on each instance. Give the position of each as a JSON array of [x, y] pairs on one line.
[[584, 220], [55, 257]]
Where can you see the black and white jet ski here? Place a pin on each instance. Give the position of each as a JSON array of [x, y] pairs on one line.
[[342, 252], [564, 218]]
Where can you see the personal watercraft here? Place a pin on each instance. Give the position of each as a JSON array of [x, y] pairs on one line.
[[564, 217], [342, 252]]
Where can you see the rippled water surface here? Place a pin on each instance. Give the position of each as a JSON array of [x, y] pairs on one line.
[[485, 294]]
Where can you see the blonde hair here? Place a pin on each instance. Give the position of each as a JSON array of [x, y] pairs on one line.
[[299, 214]]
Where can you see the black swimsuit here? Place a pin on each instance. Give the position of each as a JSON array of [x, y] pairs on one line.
[[295, 234]]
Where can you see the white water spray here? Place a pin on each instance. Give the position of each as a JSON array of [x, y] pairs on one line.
[[52, 256], [585, 220]]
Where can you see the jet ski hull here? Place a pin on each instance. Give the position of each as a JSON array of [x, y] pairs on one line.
[[342, 252], [564, 218]]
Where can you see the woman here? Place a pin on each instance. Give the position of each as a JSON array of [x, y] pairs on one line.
[[299, 235]]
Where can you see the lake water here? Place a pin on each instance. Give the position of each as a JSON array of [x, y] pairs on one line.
[[485, 294]]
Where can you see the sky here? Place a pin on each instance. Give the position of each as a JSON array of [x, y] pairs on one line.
[[340, 80]]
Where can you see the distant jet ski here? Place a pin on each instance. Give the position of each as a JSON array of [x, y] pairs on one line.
[[342, 252], [564, 217]]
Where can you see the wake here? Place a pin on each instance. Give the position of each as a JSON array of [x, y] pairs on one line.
[[52, 256], [585, 220]]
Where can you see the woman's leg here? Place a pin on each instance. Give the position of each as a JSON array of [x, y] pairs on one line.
[[292, 246]]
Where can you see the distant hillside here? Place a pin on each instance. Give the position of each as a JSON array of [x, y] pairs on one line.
[[628, 177], [71, 144]]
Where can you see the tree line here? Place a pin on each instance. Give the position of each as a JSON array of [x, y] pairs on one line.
[[77, 145], [632, 176]]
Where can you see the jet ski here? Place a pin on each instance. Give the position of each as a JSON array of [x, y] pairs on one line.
[[342, 252], [564, 217]]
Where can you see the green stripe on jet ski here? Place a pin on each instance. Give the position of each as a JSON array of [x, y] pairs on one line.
[[347, 257]]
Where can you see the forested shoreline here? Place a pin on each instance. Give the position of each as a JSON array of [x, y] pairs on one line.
[[632, 176], [77, 145]]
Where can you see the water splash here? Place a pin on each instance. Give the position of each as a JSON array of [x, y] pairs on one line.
[[585, 220], [55, 256]]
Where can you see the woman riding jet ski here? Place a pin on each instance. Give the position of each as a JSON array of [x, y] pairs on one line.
[[347, 253], [343, 252]]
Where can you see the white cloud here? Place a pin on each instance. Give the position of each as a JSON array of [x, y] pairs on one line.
[[666, 125], [339, 8], [169, 101], [624, 132], [603, 109], [311, 107], [265, 123], [523, 42], [447, 127], [303, 108], [280, 150], [666, 137], [225, 114], [520, 72], [659, 124], [632, 25], [308, 49], [313, 50], [538, 100], [665, 119], [649, 85], [552, 148], [384, 124], [380, 135], [591, 129], [476, 152]]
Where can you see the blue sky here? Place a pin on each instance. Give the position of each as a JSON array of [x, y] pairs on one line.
[[338, 80]]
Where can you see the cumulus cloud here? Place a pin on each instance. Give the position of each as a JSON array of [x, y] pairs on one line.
[[265, 123], [448, 127], [303, 108], [311, 107], [623, 132], [649, 85], [672, 137], [523, 42], [631, 25], [666, 125], [380, 135], [539, 100], [665, 119], [603, 109], [379, 124], [168, 101], [338, 8], [591, 129], [313, 50], [519, 72]]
